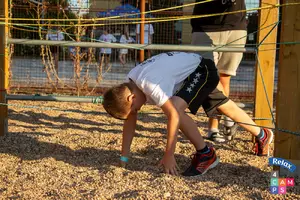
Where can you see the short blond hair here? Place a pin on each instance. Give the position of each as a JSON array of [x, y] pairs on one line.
[[115, 101]]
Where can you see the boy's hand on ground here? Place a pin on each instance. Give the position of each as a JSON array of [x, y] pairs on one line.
[[169, 164], [123, 164]]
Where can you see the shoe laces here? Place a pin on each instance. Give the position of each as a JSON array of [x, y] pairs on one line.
[[194, 158]]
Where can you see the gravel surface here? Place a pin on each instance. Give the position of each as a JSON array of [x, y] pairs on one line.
[[71, 151]]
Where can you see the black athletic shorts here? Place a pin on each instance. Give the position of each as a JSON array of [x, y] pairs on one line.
[[199, 88]]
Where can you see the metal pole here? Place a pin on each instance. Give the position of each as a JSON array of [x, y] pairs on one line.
[[142, 29], [163, 47], [4, 60], [55, 98]]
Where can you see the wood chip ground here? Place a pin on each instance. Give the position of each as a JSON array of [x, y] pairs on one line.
[[71, 151]]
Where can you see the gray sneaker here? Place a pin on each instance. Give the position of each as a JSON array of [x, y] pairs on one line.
[[230, 132], [216, 137]]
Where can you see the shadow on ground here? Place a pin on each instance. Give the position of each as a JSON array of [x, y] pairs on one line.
[[26, 146]]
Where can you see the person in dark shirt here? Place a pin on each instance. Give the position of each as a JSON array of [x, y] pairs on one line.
[[221, 30]]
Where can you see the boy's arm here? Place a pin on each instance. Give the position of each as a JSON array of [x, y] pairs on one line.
[[168, 160], [128, 133]]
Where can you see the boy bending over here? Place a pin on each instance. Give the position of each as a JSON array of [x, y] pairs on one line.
[[175, 81]]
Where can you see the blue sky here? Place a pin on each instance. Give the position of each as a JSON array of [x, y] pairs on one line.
[[252, 3]]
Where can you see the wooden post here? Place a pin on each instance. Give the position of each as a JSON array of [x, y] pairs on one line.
[[287, 146], [266, 60], [4, 60], [142, 29]]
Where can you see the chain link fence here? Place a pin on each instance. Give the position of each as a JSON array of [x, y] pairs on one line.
[[87, 71]]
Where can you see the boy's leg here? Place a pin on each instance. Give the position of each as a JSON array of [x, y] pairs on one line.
[[205, 157], [217, 101], [230, 109], [187, 124], [194, 91], [263, 136]]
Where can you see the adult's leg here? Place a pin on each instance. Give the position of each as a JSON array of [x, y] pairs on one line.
[[148, 53], [55, 62], [107, 60], [124, 58], [102, 63], [209, 39], [121, 59], [229, 62]]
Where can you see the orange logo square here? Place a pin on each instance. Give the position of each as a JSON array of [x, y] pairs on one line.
[[281, 182]]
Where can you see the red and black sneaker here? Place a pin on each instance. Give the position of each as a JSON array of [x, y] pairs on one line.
[[201, 163], [261, 146]]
